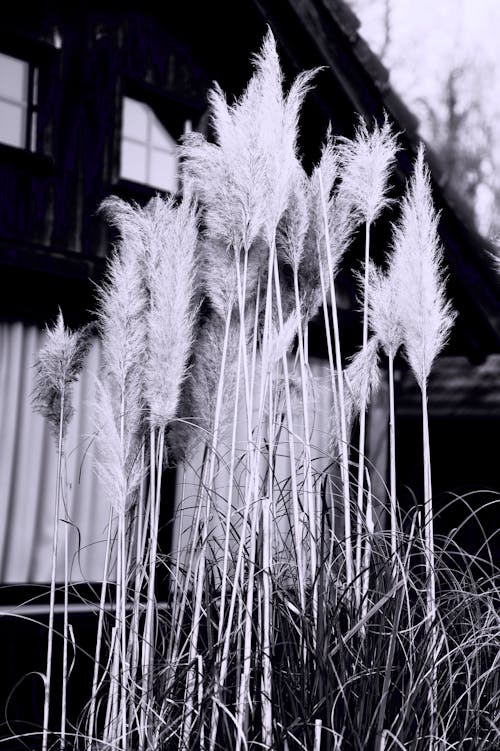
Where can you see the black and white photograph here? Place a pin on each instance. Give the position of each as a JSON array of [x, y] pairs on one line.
[[250, 375]]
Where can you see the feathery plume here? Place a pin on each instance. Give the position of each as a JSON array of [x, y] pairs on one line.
[[363, 374], [384, 303], [111, 467], [366, 161], [341, 220], [171, 234], [301, 234], [57, 366], [341, 227], [426, 316], [244, 181], [362, 377], [122, 306], [278, 128], [283, 340], [229, 214], [294, 223], [122, 303], [147, 312]]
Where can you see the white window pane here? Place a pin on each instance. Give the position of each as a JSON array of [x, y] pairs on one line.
[[135, 119], [163, 171], [12, 124], [13, 78], [160, 137], [33, 134], [133, 161]]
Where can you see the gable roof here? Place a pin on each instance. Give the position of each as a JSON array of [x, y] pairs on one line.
[[473, 283]]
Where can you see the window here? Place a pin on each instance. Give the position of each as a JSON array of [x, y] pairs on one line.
[[148, 151], [18, 102]]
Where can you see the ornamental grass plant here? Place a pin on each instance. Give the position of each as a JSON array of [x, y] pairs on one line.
[[286, 615]]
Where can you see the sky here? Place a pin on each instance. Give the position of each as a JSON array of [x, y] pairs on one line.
[[428, 38]]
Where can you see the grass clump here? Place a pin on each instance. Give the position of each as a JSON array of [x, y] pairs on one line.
[[285, 616]]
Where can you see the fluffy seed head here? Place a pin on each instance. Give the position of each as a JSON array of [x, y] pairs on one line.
[[122, 303], [57, 366], [324, 196], [171, 234], [294, 224], [244, 180], [366, 161], [147, 312], [384, 302], [426, 316], [362, 377]]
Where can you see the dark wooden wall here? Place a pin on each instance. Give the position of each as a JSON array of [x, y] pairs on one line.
[[52, 239]]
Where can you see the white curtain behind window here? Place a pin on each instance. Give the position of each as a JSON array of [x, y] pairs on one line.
[[28, 459]]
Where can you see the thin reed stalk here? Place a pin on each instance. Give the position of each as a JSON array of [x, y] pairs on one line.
[[392, 461], [362, 421], [55, 538], [91, 725], [431, 608], [238, 572], [157, 443], [349, 567], [64, 682]]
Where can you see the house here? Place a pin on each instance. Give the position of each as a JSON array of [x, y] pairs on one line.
[[93, 98]]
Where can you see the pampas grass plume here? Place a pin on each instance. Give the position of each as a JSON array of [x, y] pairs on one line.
[[294, 224], [282, 340], [57, 366], [362, 377], [122, 302], [426, 316], [366, 161], [111, 469], [341, 219], [172, 234], [384, 307], [245, 179]]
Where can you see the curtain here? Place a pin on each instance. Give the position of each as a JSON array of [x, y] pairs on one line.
[[28, 463]]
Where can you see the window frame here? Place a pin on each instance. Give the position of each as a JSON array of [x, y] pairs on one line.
[[148, 144], [42, 55], [30, 106], [172, 112]]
